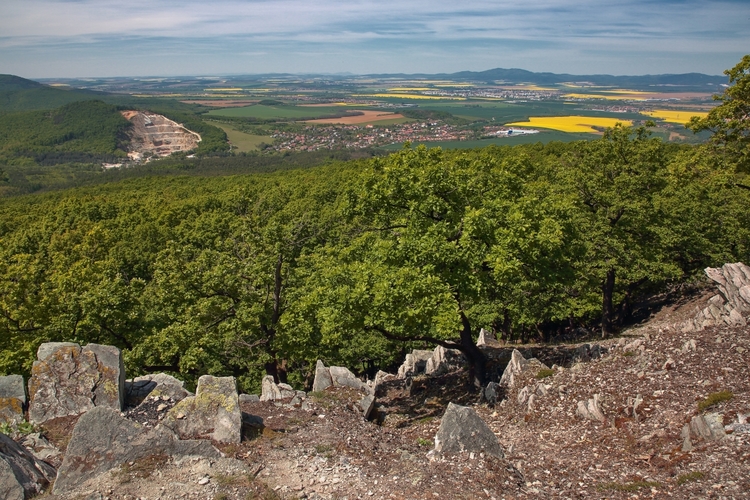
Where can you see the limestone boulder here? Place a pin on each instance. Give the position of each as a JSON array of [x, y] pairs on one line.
[[157, 384], [486, 338], [461, 429], [213, 413], [414, 363], [21, 474], [322, 377], [67, 380], [342, 377], [11, 386], [591, 409], [269, 390], [103, 439], [517, 365], [444, 360]]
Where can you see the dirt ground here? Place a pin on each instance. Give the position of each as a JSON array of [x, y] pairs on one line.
[[328, 451], [367, 116]]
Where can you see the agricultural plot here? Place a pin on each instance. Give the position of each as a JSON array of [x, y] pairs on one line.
[[675, 116], [574, 124], [280, 112], [242, 142], [366, 117], [543, 137]]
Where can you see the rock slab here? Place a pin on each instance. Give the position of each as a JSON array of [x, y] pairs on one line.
[[70, 380], [461, 429], [21, 474], [157, 384], [323, 378], [103, 439], [213, 413]]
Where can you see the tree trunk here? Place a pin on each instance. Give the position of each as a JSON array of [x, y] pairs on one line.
[[608, 289], [475, 356]]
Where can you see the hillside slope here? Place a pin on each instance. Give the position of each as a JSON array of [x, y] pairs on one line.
[[649, 382]]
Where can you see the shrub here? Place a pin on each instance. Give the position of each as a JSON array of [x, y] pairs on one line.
[[713, 399]]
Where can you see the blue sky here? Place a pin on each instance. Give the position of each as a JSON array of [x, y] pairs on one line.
[[79, 38]]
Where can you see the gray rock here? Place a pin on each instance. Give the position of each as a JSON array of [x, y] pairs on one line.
[[486, 337], [461, 429], [103, 439], [213, 413], [367, 404], [249, 398], [42, 449], [444, 360], [342, 377], [414, 363], [591, 409], [70, 380], [21, 474], [269, 390], [11, 410], [709, 427], [492, 393], [380, 378], [48, 348], [158, 384], [287, 391], [11, 386], [687, 444], [322, 377], [517, 365]]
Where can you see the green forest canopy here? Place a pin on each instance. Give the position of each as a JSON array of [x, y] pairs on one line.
[[353, 262]]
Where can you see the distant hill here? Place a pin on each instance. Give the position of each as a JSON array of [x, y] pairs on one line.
[[687, 81], [20, 94], [9, 83]]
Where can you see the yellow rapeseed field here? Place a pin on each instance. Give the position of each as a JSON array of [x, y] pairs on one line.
[[674, 116], [616, 97], [412, 96], [578, 124]]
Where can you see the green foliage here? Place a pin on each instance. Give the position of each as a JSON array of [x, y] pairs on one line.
[[80, 131], [690, 477], [425, 442], [544, 373], [730, 121], [714, 399]]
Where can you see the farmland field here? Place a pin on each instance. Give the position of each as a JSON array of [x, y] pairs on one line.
[[367, 116], [241, 141], [543, 137], [675, 116], [280, 112], [576, 124]]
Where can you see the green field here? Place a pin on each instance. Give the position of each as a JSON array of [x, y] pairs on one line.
[[281, 112], [502, 112], [543, 137], [241, 141]]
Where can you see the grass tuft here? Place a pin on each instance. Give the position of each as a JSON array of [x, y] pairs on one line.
[[714, 399], [690, 477], [544, 373]]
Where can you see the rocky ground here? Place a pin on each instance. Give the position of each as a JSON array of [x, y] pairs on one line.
[[649, 385]]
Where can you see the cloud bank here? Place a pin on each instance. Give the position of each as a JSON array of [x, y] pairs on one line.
[[48, 38]]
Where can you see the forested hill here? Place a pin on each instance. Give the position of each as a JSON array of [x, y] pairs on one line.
[[20, 94], [79, 131]]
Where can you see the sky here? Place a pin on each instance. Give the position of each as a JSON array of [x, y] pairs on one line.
[[107, 38]]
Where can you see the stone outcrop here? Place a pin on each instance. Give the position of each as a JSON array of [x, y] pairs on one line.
[[213, 413], [461, 429], [731, 306], [486, 338], [517, 365], [158, 384], [103, 439], [414, 363], [591, 409], [436, 362], [322, 377], [21, 474], [444, 360], [70, 380], [12, 398]]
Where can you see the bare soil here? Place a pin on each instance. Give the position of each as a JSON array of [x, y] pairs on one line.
[[367, 116]]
